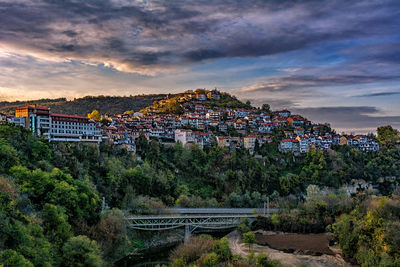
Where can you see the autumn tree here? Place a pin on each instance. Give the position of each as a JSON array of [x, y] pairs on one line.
[[95, 115]]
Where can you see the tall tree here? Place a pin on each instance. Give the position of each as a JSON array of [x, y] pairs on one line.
[[387, 135], [80, 251]]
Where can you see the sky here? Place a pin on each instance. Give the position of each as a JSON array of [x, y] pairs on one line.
[[334, 61]]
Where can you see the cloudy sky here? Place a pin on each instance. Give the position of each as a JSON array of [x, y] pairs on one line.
[[334, 61]]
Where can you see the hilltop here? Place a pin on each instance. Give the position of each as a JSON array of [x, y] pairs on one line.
[[153, 103], [83, 106], [174, 104]]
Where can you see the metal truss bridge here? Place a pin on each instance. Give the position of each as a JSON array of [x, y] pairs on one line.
[[192, 219]]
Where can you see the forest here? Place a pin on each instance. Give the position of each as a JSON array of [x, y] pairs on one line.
[[51, 194], [83, 106]]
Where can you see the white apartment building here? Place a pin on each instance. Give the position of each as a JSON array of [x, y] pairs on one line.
[[57, 127], [184, 136], [72, 128]]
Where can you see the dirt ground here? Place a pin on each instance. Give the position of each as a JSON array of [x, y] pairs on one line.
[[310, 244], [287, 259]]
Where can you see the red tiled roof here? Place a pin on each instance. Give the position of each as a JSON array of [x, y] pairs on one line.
[[68, 116], [290, 140]]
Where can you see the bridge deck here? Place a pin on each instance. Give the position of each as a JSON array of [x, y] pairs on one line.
[[161, 217], [217, 210]]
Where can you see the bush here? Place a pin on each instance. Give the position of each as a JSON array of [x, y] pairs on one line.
[[208, 260], [264, 261], [178, 262], [193, 249], [145, 205], [223, 250]]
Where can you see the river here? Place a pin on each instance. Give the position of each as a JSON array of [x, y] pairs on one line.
[[157, 256]]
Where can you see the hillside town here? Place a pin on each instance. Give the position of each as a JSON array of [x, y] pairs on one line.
[[197, 124]]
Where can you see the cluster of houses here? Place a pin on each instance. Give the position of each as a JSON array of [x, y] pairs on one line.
[[198, 124], [229, 127], [303, 143]]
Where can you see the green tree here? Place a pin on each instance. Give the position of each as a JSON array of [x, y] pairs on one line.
[[8, 156], [223, 250], [56, 187], [266, 108], [11, 258], [111, 234], [80, 251], [387, 135], [249, 238], [55, 224]]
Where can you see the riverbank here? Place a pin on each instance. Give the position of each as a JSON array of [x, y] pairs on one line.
[[297, 258]]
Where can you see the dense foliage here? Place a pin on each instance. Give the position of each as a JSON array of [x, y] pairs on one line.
[[51, 193], [204, 251], [369, 234], [83, 106], [173, 104]]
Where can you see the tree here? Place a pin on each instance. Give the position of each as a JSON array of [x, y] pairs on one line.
[[80, 251], [8, 155], [266, 108], [12, 258], [105, 121], [55, 187], [95, 115], [110, 233], [129, 112], [387, 135], [56, 226], [223, 250], [249, 238]]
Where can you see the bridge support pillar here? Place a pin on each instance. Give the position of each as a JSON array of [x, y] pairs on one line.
[[187, 233]]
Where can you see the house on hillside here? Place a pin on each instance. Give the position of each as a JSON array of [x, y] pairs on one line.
[[201, 97], [214, 95], [249, 142], [298, 131], [184, 136], [289, 145], [283, 113]]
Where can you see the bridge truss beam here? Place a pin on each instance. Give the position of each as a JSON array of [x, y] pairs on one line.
[[157, 223]]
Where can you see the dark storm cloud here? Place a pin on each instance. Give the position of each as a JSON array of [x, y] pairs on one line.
[[296, 82], [138, 35], [359, 118], [379, 94]]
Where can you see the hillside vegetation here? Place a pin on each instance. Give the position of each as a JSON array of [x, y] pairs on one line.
[[51, 195], [174, 103], [83, 106]]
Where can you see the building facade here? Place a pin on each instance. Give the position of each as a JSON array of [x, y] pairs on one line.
[[58, 127]]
